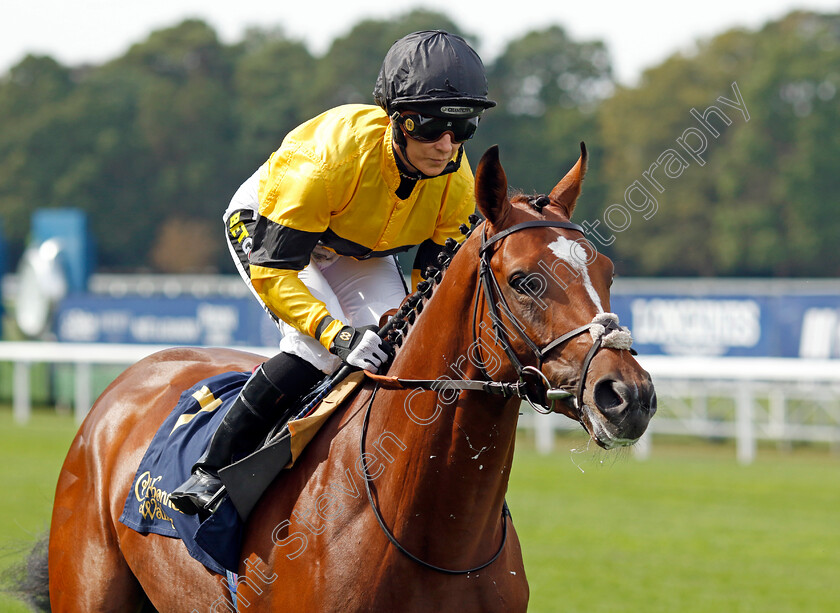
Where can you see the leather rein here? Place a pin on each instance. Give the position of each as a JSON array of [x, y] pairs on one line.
[[532, 385]]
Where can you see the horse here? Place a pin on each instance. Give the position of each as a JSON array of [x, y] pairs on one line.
[[398, 504]]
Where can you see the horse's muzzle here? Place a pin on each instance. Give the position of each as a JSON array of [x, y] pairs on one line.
[[621, 411]]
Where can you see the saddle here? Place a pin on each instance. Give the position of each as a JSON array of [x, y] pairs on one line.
[[247, 479], [180, 441]]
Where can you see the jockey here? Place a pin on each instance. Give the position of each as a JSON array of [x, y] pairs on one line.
[[314, 231]]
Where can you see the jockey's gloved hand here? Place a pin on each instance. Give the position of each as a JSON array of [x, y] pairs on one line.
[[361, 347]]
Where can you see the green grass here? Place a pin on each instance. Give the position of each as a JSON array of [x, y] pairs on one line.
[[688, 530], [30, 460]]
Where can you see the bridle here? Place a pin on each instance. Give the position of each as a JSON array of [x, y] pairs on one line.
[[535, 387], [532, 385]]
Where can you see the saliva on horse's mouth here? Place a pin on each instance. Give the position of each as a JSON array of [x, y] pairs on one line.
[[593, 422], [599, 428]]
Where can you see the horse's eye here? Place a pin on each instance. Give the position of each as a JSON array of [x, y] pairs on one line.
[[524, 284]]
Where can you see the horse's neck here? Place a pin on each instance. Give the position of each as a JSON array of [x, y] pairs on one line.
[[459, 446]]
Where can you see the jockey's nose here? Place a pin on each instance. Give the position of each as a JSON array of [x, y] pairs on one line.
[[445, 141]]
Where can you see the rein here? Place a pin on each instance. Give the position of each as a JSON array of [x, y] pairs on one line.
[[390, 535], [532, 386]]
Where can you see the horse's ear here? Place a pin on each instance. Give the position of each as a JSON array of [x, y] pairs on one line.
[[565, 193], [491, 188]]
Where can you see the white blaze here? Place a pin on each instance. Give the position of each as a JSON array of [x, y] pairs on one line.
[[574, 254]]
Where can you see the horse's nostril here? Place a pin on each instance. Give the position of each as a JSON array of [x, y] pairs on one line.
[[651, 403], [607, 397]]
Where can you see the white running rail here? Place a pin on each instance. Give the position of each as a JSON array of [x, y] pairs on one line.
[[83, 356], [785, 400]]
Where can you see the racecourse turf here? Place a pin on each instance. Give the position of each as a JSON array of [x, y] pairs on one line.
[[688, 530]]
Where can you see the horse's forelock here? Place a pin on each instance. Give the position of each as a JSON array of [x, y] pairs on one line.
[[539, 203]]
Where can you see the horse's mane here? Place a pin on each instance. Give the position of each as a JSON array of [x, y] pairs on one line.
[[400, 323]]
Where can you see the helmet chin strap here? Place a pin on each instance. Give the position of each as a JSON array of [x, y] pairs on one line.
[[399, 141]]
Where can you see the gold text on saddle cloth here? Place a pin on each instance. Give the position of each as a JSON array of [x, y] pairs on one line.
[[154, 502]]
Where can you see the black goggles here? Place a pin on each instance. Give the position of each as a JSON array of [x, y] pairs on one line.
[[428, 128]]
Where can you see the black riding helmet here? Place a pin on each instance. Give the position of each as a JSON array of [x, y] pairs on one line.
[[435, 73]]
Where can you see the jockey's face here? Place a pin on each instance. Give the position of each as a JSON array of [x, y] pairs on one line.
[[429, 158]]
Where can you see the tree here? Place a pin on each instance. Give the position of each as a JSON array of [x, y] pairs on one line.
[[158, 140], [35, 82], [547, 87], [273, 92], [31, 96], [546, 69], [182, 131], [135, 142], [760, 202], [784, 166]]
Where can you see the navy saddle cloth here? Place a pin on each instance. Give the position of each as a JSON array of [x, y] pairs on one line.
[[176, 446]]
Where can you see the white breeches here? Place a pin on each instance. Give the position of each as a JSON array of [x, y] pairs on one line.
[[356, 292]]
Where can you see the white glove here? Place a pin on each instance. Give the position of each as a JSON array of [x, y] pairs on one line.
[[368, 353], [361, 348]]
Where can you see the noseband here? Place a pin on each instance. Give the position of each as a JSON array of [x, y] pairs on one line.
[[534, 386]]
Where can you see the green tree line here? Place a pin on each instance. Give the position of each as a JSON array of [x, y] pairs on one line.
[[153, 143]]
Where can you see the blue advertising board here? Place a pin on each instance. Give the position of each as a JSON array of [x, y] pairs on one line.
[[764, 319], [3, 271], [3, 256], [798, 325], [217, 321]]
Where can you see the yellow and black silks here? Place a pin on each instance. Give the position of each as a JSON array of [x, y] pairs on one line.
[[334, 181]]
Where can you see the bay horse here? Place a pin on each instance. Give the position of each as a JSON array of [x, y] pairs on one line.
[[399, 503]]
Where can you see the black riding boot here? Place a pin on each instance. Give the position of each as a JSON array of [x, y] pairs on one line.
[[269, 397]]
